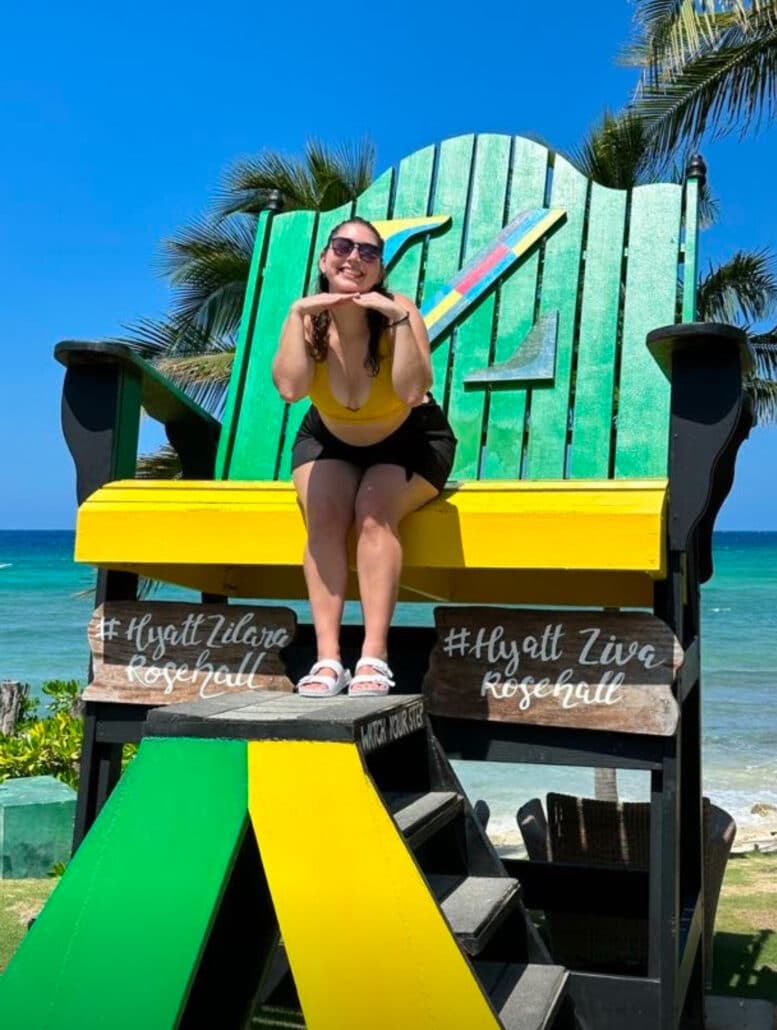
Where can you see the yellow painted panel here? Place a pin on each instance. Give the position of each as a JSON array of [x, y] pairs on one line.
[[609, 526], [367, 944]]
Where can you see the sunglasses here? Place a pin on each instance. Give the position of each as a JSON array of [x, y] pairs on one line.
[[368, 252]]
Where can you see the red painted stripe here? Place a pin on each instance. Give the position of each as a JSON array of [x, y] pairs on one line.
[[492, 258]]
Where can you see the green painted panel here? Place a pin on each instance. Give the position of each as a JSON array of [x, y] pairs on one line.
[[258, 433], [120, 938], [242, 351], [642, 433], [597, 346], [466, 408], [549, 410], [374, 202], [443, 256], [326, 222], [411, 200], [517, 295], [691, 256]]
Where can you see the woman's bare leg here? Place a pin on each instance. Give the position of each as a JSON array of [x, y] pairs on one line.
[[384, 497], [327, 490]]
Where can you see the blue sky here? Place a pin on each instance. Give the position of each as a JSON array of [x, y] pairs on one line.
[[119, 121]]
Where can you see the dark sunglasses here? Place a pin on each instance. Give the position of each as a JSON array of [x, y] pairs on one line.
[[342, 247]]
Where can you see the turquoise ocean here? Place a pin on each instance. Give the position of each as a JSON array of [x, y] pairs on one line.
[[45, 605]]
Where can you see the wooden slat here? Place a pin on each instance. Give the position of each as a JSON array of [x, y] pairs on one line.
[[411, 200], [642, 434], [546, 451], [255, 452], [374, 203], [592, 425], [243, 350], [517, 294], [473, 340], [325, 223], [691, 254], [444, 252]]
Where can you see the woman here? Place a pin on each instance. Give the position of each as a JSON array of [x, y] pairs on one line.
[[373, 446]]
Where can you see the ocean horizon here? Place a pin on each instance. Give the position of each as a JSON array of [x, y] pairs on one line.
[[46, 600]]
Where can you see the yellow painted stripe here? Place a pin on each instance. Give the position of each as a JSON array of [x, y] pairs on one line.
[[440, 309], [609, 526], [367, 944], [539, 230]]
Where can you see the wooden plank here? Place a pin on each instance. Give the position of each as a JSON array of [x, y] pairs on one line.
[[161, 652], [411, 200], [137, 901], [242, 350], [507, 409], [259, 426], [592, 418], [472, 350], [443, 256], [582, 669], [642, 434], [374, 203], [325, 223], [690, 256], [546, 452]]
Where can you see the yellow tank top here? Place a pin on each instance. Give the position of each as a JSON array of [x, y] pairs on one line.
[[381, 401]]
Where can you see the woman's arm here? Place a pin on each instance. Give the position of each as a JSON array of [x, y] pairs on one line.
[[411, 369], [292, 366]]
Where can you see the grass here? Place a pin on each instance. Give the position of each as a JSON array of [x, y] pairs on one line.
[[745, 946]]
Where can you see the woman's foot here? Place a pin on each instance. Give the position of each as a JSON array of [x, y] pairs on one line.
[[372, 678], [327, 678]]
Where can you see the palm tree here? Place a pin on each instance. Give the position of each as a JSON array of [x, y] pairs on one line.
[[706, 64], [618, 152]]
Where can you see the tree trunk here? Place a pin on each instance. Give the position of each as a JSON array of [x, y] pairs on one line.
[[606, 784], [12, 693]]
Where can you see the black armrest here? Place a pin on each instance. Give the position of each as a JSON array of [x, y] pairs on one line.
[[710, 418], [106, 385]]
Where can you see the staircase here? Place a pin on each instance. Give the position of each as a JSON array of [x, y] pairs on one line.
[[433, 844]]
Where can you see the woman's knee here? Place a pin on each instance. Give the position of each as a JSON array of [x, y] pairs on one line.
[[327, 517], [374, 516]]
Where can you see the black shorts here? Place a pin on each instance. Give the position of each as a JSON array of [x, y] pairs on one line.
[[423, 444]]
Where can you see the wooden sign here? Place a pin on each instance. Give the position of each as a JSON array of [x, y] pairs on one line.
[[160, 652], [587, 669]]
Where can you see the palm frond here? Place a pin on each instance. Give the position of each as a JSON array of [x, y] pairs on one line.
[[764, 394], [163, 463], [614, 151], [730, 82], [158, 338], [667, 31], [325, 178], [204, 377], [208, 264], [744, 288], [764, 346]]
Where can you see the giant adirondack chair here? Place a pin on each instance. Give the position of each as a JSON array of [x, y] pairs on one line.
[[598, 426]]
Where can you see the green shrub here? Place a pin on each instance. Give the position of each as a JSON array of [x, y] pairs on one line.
[[48, 746]]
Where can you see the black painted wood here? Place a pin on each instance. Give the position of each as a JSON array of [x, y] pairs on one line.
[[420, 816], [475, 906], [526, 997]]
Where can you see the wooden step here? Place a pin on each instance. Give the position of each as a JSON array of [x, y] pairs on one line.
[[420, 815], [474, 906], [526, 997]]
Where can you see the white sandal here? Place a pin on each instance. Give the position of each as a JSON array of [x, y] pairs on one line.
[[316, 685], [382, 678]]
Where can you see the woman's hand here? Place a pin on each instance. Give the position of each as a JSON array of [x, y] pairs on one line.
[[378, 302], [318, 302]]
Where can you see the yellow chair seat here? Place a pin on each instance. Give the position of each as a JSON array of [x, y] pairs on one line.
[[571, 542]]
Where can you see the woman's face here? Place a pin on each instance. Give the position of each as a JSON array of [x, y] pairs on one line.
[[346, 268]]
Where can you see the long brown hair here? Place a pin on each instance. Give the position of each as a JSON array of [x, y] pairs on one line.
[[376, 322]]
